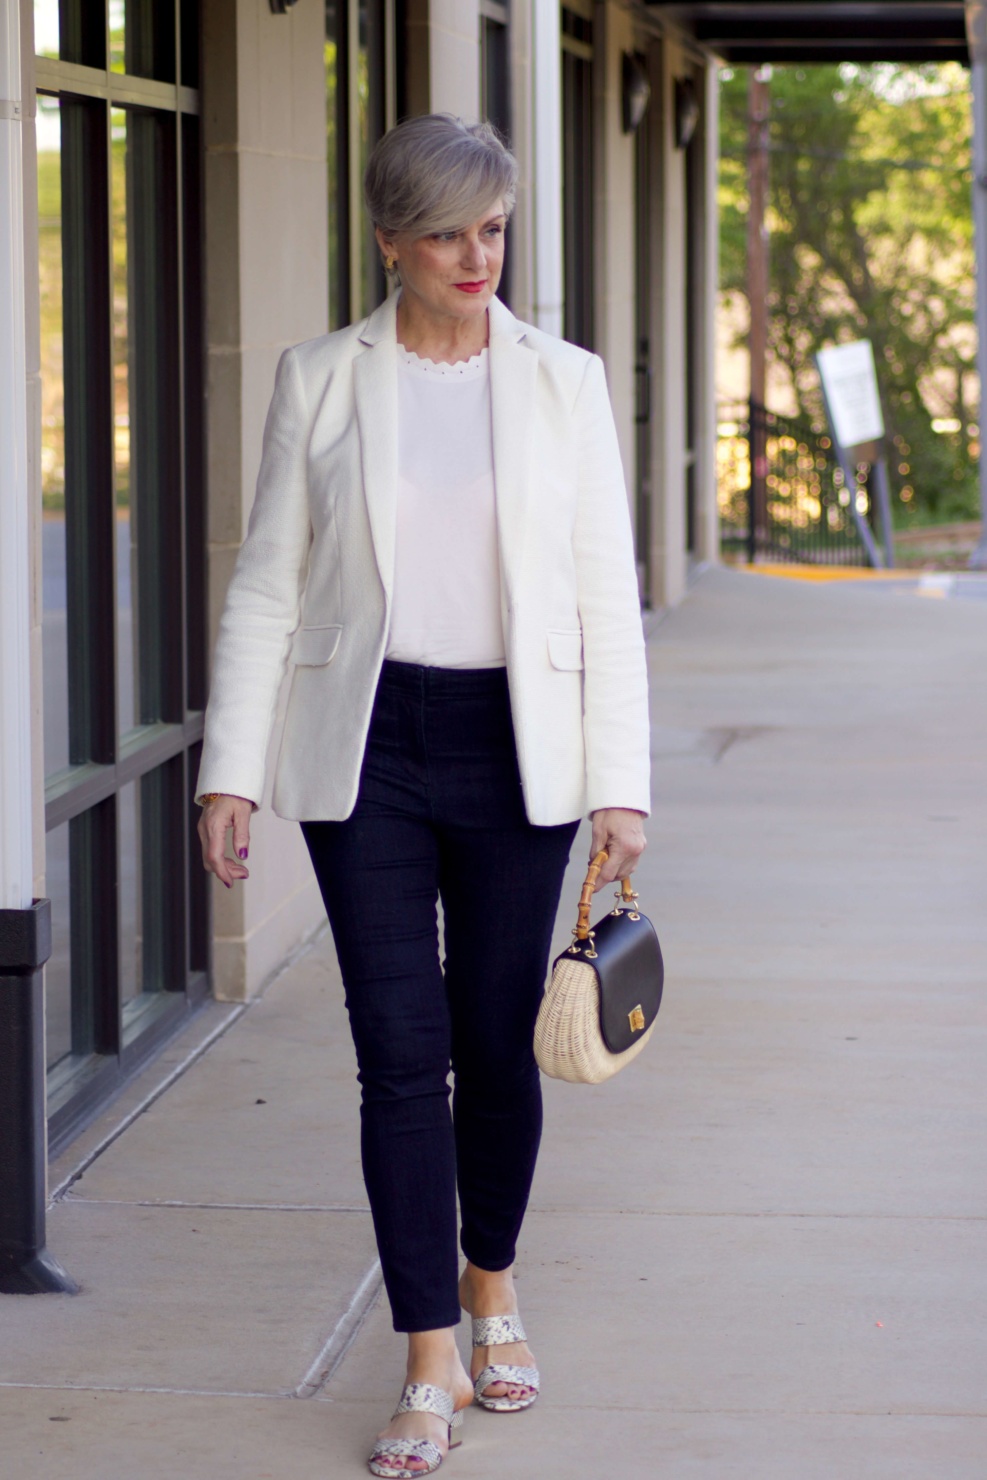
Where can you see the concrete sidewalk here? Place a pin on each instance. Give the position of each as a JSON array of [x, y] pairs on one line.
[[758, 1254]]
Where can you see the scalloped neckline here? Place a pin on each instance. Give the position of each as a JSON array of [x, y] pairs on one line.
[[442, 368]]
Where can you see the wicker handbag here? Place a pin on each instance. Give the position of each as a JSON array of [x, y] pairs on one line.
[[601, 1004]]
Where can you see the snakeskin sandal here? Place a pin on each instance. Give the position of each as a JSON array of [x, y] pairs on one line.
[[501, 1331], [418, 1397]]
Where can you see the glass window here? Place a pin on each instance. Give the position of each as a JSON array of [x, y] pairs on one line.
[[71, 31], [142, 38], [495, 106], [47, 31], [85, 301], [337, 163], [644, 199], [128, 679], [145, 416], [577, 177], [494, 73], [118, 35], [190, 42], [694, 200], [193, 405], [54, 578], [151, 868], [131, 892], [360, 52], [81, 974], [58, 971], [123, 531]]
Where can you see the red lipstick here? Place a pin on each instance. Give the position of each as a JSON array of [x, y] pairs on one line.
[[470, 287]]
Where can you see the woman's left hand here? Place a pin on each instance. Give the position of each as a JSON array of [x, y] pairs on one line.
[[621, 833]]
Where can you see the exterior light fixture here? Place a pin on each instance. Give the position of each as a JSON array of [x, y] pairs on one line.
[[636, 91], [686, 111]]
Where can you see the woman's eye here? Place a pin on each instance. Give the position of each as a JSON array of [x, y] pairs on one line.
[[495, 231]]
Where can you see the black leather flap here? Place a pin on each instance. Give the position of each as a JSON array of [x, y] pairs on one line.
[[631, 974]]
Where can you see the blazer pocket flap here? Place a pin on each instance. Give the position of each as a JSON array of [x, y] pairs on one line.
[[314, 647], [566, 649]]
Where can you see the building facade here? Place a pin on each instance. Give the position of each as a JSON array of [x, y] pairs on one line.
[[190, 205]]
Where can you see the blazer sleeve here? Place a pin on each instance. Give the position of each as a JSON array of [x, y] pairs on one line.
[[262, 602], [615, 694]]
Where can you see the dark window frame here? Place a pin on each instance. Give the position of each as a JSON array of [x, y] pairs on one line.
[[159, 756]]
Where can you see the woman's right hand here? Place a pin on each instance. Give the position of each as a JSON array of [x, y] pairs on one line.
[[215, 821]]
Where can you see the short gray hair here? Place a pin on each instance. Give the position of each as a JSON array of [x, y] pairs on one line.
[[437, 173]]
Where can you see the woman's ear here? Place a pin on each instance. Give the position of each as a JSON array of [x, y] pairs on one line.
[[387, 248]]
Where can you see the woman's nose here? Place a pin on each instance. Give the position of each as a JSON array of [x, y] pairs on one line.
[[474, 255]]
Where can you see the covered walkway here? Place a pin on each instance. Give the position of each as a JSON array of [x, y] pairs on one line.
[[760, 1252]]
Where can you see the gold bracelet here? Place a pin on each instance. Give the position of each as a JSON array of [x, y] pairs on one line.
[[207, 797]]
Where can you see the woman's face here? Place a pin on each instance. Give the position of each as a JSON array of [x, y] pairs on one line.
[[453, 274]]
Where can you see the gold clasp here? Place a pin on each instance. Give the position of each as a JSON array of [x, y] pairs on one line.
[[583, 947], [636, 1019]]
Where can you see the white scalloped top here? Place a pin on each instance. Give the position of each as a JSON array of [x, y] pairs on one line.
[[445, 605], [465, 370]]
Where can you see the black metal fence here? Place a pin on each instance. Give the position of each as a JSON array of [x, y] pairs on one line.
[[782, 494]]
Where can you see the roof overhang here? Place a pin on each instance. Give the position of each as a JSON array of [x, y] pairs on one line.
[[824, 30]]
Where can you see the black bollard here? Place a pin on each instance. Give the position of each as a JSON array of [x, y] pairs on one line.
[[26, 1267]]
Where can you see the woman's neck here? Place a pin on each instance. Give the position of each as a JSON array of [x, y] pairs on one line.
[[444, 339]]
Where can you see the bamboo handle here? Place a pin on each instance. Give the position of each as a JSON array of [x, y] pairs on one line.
[[586, 898]]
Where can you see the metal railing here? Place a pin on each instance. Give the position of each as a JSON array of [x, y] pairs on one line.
[[782, 494]]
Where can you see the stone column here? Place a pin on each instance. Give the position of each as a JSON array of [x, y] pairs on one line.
[[264, 123]]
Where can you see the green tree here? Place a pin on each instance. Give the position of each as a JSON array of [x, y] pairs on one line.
[[871, 237]]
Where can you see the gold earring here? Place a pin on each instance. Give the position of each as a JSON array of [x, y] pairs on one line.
[[389, 263]]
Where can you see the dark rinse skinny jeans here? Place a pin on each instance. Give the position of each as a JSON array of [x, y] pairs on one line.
[[440, 815]]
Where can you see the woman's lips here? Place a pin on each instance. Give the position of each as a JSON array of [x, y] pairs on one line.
[[470, 287]]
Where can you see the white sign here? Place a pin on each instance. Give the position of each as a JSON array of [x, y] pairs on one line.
[[850, 382]]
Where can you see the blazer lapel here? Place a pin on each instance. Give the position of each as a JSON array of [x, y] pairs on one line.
[[513, 376], [375, 389]]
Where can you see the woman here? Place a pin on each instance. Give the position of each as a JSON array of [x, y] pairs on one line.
[[440, 547]]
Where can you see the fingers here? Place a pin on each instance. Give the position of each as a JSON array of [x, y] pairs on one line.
[[241, 829], [600, 835], [621, 833], [216, 820]]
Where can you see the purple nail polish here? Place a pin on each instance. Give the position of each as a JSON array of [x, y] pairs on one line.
[[243, 853]]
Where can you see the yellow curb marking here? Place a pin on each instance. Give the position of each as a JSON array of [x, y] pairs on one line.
[[829, 573]]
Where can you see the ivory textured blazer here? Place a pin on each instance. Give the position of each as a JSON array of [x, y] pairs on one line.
[[312, 583]]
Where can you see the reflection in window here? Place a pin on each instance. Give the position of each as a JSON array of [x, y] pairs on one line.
[[356, 116], [142, 37], [366, 242], [121, 482], [126, 568], [46, 28], [117, 35], [58, 974], [146, 417], [130, 893], [495, 104], [151, 863], [71, 31], [190, 42], [336, 163], [577, 182], [54, 624]]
